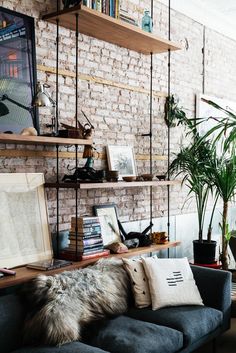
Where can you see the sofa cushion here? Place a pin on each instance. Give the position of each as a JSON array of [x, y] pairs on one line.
[[73, 347], [123, 334], [11, 320], [193, 321], [139, 282], [171, 282]]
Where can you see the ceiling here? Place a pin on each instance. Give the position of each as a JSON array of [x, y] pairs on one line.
[[219, 15]]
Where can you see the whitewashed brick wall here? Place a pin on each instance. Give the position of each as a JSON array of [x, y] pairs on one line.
[[120, 115]]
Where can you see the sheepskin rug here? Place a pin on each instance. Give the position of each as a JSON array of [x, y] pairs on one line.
[[60, 305]]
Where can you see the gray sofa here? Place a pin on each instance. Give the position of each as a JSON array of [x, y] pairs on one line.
[[167, 330]]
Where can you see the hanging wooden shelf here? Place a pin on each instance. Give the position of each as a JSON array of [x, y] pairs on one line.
[[109, 185], [109, 29], [24, 274], [41, 140]]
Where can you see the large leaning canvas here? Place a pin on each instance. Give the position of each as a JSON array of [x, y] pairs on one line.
[[24, 229]]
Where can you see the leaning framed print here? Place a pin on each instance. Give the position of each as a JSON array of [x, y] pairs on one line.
[[17, 72], [24, 227], [109, 225], [121, 158]]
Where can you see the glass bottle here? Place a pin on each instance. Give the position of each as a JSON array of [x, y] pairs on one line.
[[147, 22]]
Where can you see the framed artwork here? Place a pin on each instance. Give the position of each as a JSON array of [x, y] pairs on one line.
[[24, 228], [109, 225], [121, 158], [17, 72]]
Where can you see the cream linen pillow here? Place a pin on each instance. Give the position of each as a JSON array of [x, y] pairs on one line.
[[139, 282], [171, 282]]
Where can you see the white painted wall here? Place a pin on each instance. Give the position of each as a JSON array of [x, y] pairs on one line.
[[219, 15]]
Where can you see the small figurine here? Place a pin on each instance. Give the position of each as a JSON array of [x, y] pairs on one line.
[[147, 23]]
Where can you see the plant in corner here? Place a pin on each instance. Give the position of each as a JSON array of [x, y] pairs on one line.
[[221, 172], [213, 172], [191, 162]]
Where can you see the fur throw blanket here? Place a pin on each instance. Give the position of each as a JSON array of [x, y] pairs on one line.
[[60, 305]]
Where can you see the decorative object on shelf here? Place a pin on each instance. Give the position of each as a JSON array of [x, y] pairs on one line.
[[144, 238], [121, 158], [131, 243], [147, 23], [85, 131], [129, 178], [112, 175], [87, 172], [42, 98], [24, 229], [29, 131], [159, 237], [147, 177], [109, 224], [161, 177], [71, 3], [117, 248], [17, 71]]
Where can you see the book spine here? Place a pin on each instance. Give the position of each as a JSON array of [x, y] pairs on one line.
[[81, 220], [117, 9], [99, 5], [87, 242], [87, 229], [103, 6], [83, 237], [112, 8], [94, 256]]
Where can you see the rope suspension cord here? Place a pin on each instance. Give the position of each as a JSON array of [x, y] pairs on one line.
[[76, 124], [151, 119], [168, 128], [56, 124]]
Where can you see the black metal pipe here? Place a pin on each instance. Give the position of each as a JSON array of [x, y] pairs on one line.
[[168, 128], [76, 124], [56, 131]]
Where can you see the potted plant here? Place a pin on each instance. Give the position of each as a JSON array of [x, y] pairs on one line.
[[191, 162], [207, 171], [221, 172]]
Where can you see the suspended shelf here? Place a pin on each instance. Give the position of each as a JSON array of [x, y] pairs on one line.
[[41, 140], [109, 185], [24, 274], [109, 29]]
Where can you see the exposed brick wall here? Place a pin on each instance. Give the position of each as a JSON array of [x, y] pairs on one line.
[[120, 115]]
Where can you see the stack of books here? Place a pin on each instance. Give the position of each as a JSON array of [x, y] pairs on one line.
[[109, 7], [88, 239]]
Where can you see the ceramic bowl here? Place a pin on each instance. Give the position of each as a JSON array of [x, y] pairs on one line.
[[129, 178], [147, 177]]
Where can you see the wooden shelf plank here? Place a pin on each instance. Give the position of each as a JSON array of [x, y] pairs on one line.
[[109, 185], [24, 274], [41, 140], [109, 29]]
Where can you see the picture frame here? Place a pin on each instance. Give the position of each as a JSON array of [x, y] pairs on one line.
[[18, 75], [107, 214], [121, 158], [24, 226]]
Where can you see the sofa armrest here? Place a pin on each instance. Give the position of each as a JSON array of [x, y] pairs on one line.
[[215, 289]]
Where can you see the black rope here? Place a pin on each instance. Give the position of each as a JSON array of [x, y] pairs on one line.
[[168, 130], [151, 121], [76, 124], [56, 126]]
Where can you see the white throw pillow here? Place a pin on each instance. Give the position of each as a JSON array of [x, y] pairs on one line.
[[171, 282], [139, 282]]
